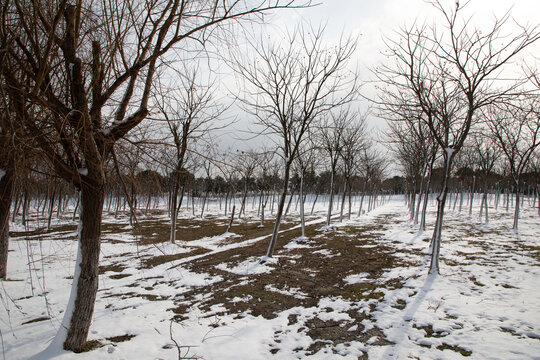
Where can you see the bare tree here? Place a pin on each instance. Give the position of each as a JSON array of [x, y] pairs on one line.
[[353, 142], [83, 75], [448, 71], [190, 111], [516, 130], [410, 141], [487, 156], [290, 85], [330, 134]]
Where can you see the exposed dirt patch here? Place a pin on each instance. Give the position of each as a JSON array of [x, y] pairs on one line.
[[301, 277], [151, 261], [455, 348], [121, 338]]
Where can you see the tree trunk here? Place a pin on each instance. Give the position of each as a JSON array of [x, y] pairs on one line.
[[314, 202], [92, 198], [538, 193], [302, 217], [262, 205], [243, 206], [231, 219], [420, 192], [273, 240], [331, 199], [25, 206], [343, 201], [204, 204], [412, 201], [174, 197], [226, 201], [350, 201], [472, 196], [460, 198], [289, 203], [51, 208], [6, 194], [424, 206], [77, 208], [485, 201], [441, 201], [516, 210]]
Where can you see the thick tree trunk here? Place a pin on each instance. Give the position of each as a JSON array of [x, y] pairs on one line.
[[92, 198], [6, 194]]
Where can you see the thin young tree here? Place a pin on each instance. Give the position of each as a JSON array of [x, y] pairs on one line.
[[190, 110], [330, 134], [353, 141], [291, 84], [487, 155]]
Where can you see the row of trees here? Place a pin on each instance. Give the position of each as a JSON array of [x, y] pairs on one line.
[[89, 88], [447, 82]]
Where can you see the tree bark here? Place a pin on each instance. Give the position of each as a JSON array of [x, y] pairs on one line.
[[441, 201], [516, 209], [331, 199], [6, 194], [92, 198]]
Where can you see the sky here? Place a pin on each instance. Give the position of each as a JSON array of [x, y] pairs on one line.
[[371, 21]]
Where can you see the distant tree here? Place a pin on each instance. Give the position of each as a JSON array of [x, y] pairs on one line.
[[515, 129], [487, 156], [330, 133], [354, 140], [190, 111]]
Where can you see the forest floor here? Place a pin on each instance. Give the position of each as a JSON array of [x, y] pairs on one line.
[[358, 289]]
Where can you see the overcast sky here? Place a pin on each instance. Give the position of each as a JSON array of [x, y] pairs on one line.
[[372, 20]]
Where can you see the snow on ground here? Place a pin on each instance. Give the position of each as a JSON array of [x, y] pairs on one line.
[[484, 303]]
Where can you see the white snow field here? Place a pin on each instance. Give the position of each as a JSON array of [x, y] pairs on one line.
[[156, 299]]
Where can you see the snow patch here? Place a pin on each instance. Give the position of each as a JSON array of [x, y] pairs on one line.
[[356, 278], [253, 265]]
